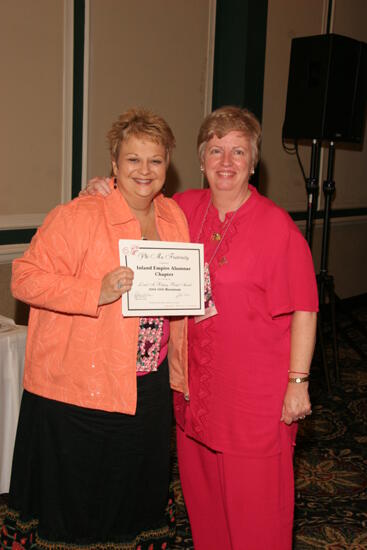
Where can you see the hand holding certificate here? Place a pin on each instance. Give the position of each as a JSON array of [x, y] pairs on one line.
[[168, 278]]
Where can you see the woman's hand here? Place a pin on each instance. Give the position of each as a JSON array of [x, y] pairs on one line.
[[296, 404], [97, 186], [114, 284]]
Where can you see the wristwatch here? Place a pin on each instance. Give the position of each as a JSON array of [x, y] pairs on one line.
[[298, 379]]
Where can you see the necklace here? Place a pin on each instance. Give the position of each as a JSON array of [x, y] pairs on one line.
[[216, 236], [210, 308], [147, 225]]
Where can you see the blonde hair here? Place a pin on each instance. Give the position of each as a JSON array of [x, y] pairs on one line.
[[228, 119], [139, 123]]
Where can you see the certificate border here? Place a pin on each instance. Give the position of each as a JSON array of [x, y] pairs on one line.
[[182, 310]]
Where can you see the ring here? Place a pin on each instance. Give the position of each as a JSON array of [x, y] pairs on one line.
[[119, 284]]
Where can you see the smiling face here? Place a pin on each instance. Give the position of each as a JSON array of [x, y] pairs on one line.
[[228, 164], [140, 170]]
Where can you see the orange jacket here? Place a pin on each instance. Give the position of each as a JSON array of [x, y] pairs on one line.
[[78, 352]]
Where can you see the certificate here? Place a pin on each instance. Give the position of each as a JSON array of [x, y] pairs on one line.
[[168, 278]]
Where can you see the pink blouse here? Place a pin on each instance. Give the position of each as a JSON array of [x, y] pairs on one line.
[[238, 359]]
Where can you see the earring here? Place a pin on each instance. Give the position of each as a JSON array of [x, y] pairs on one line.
[[115, 183], [252, 171], [201, 168]]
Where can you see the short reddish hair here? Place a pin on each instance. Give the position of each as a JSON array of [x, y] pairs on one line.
[[228, 119]]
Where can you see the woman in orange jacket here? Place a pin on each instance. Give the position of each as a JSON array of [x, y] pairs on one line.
[[91, 460]]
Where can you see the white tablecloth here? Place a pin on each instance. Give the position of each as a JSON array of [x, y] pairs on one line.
[[12, 349]]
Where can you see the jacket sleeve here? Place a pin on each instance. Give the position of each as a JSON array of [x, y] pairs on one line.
[[50, 274]]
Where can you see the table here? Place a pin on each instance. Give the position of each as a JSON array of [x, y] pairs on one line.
[[12, 348]]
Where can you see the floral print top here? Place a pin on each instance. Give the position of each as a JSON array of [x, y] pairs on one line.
[[150, 342]]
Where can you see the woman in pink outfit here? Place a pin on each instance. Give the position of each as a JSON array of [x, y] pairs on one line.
[[249, 355]]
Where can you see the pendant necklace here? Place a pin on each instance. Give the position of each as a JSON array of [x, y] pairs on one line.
[[216, 236], [210, 308]]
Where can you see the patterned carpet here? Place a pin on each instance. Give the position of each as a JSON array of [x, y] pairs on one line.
[[331, 457]]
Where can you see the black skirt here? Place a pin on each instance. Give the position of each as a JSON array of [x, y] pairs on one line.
[[93, 479]]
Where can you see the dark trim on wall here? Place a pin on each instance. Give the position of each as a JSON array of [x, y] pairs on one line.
[[239, 54], [337, 213], [16, 236], [78, 96]]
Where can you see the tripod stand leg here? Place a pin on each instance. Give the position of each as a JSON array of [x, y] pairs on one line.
[[333, 328], [323, 352], [320, 333]]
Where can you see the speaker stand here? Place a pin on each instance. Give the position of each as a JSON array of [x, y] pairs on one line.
[[324, 279], [312, 188]]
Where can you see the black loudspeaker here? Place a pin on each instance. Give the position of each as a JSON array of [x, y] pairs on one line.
[[327, 89]]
